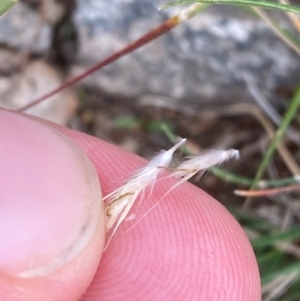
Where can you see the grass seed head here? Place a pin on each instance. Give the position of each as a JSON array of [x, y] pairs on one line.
[[121, 200], [195, 164]]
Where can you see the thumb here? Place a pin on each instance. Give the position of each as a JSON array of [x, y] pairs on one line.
[[52, 224]]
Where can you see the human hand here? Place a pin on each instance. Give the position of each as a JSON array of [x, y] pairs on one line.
[[188, 248]]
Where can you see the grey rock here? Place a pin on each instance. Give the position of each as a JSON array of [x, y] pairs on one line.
[[8, 59], [24, 32], [200, 61], [21, 29], [35, 80]]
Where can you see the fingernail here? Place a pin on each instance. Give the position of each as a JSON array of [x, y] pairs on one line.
[[50, 199]]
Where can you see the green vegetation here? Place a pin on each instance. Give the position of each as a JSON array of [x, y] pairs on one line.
[[5, 5]]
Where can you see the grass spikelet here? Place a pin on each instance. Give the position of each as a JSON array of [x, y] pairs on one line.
[[195, 164], [119, 202], [192, 165]]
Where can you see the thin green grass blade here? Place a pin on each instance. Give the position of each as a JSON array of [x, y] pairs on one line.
[[283, 271], [288, 117], [267, 259], [273, 266], [266, 241], [257, 3], [230, 177], [5, 5], [240, 180]]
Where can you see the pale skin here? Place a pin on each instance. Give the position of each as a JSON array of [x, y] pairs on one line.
[[188, 248]]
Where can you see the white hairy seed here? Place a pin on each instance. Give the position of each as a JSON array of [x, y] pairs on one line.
[[193, 165], [121, 200]]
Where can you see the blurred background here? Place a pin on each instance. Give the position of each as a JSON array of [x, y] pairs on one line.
[[223, 80]]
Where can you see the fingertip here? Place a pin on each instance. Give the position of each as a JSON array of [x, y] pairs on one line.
[[52, 224]]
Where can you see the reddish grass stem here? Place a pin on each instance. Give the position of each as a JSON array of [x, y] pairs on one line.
[[267, 192], [145, 39]]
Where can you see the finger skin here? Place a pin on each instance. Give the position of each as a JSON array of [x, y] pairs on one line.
[[51, 239], [188, 248]]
